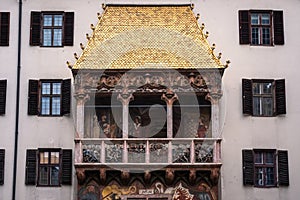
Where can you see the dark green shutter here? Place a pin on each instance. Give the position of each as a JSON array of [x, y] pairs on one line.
[[66, 167], [33, 97], [283, 168], [278, 28], [66, 96], [248, 167], [244, 29], [3, 85], [35, 29], [4, 28], [31, 167], [69, 29], [247, 96], [2, 156], [280, 97]]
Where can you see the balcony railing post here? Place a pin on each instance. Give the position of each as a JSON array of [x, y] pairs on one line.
[[102, 158], [147, 157], [78, 152], [192, 152], [215, 150], [125, 152], [170, 152]]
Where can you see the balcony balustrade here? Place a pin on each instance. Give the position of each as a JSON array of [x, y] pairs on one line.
[[148, 152]]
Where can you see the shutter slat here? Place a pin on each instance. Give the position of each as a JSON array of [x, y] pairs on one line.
[[2, 158], [69, 29], [248, 167], [66, 96], [244, 30], [4, 28], [31, 162], [33, 97], [280, 97], [283, 168], [247, 96], [3, 85], [278, 28], [35, 29], [67, 167]]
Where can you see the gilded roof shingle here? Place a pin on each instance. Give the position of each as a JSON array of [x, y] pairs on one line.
[[139, 37]]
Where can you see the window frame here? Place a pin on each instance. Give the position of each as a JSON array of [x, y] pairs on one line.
[[260, 26], [262, 95], [264, 165], [49, 165], [52, 27], [5, 41], [51, 96]]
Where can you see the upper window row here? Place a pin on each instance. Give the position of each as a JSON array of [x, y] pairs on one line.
[[261, 27], [56, 29], [47, 29]]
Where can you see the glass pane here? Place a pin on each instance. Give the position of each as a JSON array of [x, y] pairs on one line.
[[56, 88], [266, 36], [56, 106], [267, 106], [43, 176], [47, 20], [256, 88], [44, 157], [269, 158], [45, 88], [255, 36], [254, 19], [259, 174], [256, 105], [45, 106], [267, 88], [57, 37], [270, 176], [47, 37], [258, 158], [58, 20], [265, 19], [54, 157], [54, 176]]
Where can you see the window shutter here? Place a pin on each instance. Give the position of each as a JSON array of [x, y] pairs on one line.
[[244, 27], [278, 28], [66, 96], [33, 97], [31, 162], [247, 96], [248, 167], [283, 168], [35, 29], [4, 28], [69, 29], [2, 156], [3, 85], [67, 167], [280, 97]]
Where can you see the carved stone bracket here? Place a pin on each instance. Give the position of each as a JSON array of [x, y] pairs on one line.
[[169, 97], [192, 176], [80, 173], [214, 175], [102, 175], [125, 177], [169, 176], [213, 97], [82, 96]]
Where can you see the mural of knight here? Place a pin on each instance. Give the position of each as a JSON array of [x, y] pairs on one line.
[[147, 90]]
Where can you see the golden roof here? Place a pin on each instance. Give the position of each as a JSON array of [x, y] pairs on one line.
[[144, 37]]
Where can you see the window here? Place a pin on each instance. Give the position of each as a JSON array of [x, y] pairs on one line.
[[4, 28], [48, 167], [261, 27], [3, 85], [52, 29], [263, 97], [2, 156], [265, 167], [49, 97]]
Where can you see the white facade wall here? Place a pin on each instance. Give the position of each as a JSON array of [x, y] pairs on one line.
[[238, 131]]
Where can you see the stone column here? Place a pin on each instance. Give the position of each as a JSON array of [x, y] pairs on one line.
[[125, 99], [169, 98], [81, 98], [215, 113]]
